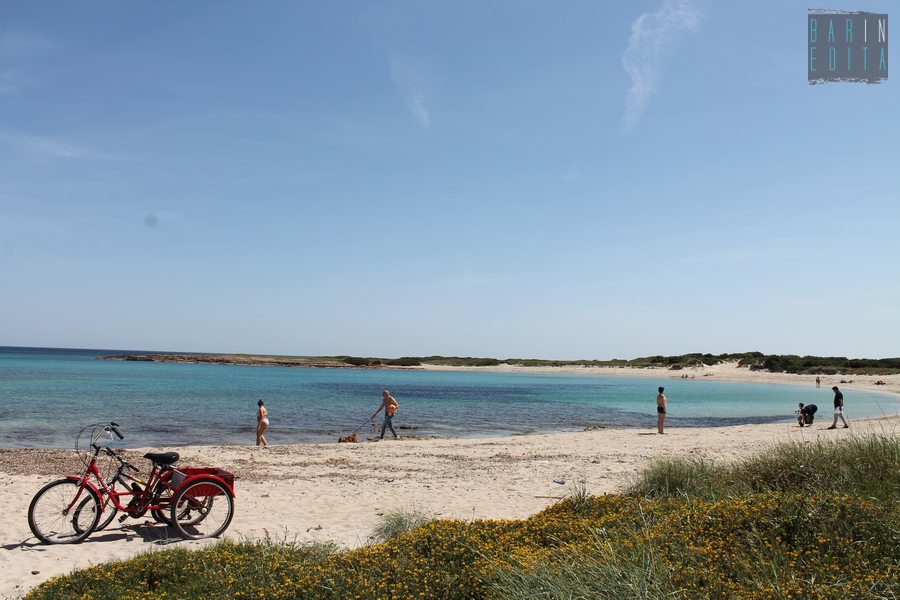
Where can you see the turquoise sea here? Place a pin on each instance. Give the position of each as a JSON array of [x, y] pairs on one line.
[[47, 395]]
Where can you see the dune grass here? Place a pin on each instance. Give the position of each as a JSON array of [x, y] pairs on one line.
[[818, 520], [395, 523], [865, 466]]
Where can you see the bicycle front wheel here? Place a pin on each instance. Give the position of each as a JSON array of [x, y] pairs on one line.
[[57, 515], [202, 509], [109, 512]]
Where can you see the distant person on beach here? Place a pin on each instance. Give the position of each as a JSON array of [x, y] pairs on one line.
[[838, 408], [817, 381], [806, 414], [661, 403], [390, 407], [262, 423]]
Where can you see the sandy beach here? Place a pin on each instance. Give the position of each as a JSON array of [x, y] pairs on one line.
[[337, 492], [727, 371]]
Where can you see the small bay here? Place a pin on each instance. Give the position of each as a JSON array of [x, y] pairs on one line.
[[48, 395]]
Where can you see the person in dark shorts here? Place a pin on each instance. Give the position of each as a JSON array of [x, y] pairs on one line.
[[661, 403], [806, 414]]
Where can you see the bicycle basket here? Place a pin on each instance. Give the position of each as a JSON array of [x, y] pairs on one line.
[[177, 479], [190, 472]]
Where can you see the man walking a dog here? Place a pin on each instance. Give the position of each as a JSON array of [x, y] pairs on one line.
[[390, 407]]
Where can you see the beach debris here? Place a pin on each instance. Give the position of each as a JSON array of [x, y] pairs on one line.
[[35, 572], [643, 455], [560, 481]]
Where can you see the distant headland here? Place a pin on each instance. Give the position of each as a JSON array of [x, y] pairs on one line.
[[753, 361]]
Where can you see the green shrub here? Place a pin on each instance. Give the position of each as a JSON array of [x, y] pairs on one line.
[[357, 361], [404, 362], [816, 521], [395, 523]]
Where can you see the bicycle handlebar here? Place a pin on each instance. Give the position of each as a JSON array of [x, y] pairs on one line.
[[110, 452], [114, 427]]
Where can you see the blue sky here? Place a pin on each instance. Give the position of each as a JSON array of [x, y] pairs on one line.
[[512, 179]]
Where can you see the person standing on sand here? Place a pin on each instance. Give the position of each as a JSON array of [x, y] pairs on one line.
[[390, 407], [661, 403], [838, 408], [262, 423], [817, 381]]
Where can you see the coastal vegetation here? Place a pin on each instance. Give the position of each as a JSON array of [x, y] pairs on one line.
[[756, 361], [817, 520]]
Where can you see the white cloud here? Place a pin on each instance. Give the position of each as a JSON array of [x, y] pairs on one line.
[[654, 37], [23, 44], [42, 147], [415, 87], [16, 50], [9, 82]]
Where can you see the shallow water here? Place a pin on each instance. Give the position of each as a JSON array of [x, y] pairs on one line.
[[48, 395]]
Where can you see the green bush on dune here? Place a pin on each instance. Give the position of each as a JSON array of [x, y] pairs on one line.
[[813, 521], [778, 363], [829, 365], [810, 365]]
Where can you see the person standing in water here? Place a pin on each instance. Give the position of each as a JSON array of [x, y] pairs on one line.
[[390, 407], [262, 423], [661, 403]]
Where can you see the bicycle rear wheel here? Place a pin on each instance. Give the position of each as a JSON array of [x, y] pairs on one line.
[[202, 509], [52, 523], [162, 497]]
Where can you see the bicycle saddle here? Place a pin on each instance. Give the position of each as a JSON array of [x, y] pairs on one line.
[[163, 458]]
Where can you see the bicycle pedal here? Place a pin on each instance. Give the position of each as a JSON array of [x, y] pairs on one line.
[[123, 517]]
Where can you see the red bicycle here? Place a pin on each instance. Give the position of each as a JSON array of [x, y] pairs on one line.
[[197, 501]]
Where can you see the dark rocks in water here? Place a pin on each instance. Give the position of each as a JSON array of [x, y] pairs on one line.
[[243, 359]]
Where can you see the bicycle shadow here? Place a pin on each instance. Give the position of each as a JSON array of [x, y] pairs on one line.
[[158, 534], [26, 544]]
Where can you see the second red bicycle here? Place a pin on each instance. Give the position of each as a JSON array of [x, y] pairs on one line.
[[197, 501]]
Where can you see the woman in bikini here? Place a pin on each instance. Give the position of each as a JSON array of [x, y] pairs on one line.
[[262, 422]]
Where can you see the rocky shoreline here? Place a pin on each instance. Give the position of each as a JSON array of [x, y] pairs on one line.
[[238, 359]]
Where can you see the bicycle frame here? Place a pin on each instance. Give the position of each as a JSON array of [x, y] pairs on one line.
[[108, 489], [140, 501], [197, 501]]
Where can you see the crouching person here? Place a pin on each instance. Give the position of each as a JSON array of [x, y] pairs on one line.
[[806, 414]]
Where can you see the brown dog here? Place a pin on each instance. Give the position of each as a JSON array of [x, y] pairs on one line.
[[349, 438]]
